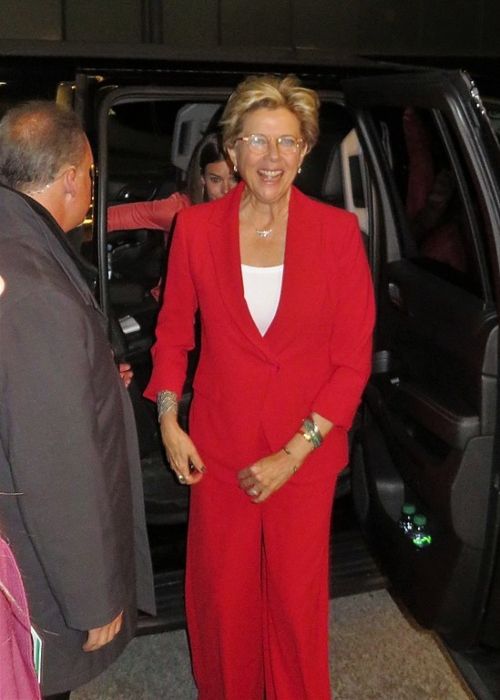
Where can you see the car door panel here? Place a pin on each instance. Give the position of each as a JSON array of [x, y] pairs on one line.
[[428, 433]]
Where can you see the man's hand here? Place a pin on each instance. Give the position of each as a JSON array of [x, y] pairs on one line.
[[126, 373], [100, 636]]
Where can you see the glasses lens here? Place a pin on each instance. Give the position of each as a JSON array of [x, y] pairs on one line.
[[287, 143], [258, 143]]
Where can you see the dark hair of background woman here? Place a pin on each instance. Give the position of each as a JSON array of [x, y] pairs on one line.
[[208, 150]]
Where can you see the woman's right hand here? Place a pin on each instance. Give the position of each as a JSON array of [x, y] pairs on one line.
[[182, 455]]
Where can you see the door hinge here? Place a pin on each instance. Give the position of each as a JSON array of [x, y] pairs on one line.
[[476, 98]]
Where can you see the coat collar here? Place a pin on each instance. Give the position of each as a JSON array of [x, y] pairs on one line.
[[224, 244], [45, 233]]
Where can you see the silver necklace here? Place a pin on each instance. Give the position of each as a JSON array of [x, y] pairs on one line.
[[263, 232]]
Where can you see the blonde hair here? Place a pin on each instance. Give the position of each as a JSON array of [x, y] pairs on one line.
[[271, 92]]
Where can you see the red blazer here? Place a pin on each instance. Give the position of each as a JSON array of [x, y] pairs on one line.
[[252, 392]]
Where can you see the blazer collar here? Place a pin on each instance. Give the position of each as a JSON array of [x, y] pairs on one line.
[[224, 244]]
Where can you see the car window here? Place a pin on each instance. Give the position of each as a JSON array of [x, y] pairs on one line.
[[321, 175], [150, 144], [439, 211], [334, 171], [140, 137]]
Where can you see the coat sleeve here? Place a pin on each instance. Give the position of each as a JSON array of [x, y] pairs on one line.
[[175, 332], [53, 445], [156, 214], [351, 339]]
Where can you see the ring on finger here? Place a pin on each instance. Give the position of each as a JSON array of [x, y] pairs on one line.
[[182, 478]]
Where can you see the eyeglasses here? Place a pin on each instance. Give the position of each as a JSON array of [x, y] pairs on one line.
[[259, 143], [92, 176]]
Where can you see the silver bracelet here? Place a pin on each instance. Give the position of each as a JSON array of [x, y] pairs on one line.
[[166, 402], [311, 432]]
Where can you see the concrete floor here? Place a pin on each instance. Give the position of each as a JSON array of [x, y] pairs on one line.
[[376, 654]]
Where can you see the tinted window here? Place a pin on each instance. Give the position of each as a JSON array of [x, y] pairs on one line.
[[439, 212]]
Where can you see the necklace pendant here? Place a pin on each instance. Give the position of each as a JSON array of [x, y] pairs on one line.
[[263, 232]]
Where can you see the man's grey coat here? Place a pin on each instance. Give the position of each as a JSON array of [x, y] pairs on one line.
[[71, 502]]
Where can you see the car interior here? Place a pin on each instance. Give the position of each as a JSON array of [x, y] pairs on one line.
[[430, 407]]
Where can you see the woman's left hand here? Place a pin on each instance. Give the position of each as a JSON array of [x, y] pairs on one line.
[[266, 476]]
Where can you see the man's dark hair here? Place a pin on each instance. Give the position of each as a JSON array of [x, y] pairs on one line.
[[37, 139]]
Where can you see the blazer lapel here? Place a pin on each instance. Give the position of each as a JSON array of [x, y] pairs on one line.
[[300, 260], [299, 263], [225, 248]]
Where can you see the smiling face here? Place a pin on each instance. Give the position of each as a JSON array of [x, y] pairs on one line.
[[269, 176], [218, 179]]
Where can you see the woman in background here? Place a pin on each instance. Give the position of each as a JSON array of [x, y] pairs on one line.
[[209, 177]]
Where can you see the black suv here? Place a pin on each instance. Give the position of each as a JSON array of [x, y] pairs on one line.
[[415, 155]]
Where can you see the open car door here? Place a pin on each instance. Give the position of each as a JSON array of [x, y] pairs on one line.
[[144, 136], [429, 435]]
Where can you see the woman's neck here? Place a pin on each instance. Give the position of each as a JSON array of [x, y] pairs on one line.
[[263, 215]]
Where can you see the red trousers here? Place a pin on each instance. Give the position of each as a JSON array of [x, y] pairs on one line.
[[257, 591]]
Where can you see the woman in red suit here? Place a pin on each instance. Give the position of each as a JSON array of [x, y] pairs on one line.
[[285, 299]]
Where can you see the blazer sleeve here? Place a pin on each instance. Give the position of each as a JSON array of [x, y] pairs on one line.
[[351, 339], [175, 331], [156, 214]]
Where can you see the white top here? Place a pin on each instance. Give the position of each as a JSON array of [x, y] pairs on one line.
[[262, 287]]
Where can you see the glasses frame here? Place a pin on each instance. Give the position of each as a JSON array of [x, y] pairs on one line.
[[93, 177], [276, 139]]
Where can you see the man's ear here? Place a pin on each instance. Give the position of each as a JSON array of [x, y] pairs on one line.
[[69, 181]]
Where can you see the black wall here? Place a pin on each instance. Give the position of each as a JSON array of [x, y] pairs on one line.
[[362, 27]]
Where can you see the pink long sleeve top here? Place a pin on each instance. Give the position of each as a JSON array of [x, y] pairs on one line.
[[17, 674], [156, 214]]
